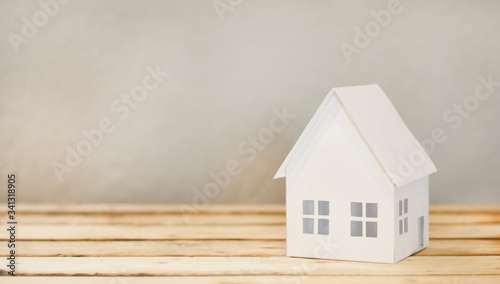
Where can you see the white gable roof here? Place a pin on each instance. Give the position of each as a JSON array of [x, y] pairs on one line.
[[391, 143]]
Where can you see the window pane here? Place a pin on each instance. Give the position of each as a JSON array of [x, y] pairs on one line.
[[406, 225], [356, 209], [400, 207], [371, 210], [371, 229], [324, 208], [356, 229], [406, 205], [308, 225], [400, 227], [308, 207], [323, 227]]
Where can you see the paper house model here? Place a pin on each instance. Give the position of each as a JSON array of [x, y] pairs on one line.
[[356, 182]]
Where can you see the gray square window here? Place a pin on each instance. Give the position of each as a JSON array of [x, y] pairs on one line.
[[356, 209], [308, 207], [356, 229], [400, 227], [308, 225], [406, 225], [406, 205], [323, 227], [371, 210], [324, 208], [371, 229], [400, 207]]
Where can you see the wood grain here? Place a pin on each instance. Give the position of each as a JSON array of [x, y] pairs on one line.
[[203, 266], [194, 248], [216, 219], [57, 208], [210, 232], [239, 243]]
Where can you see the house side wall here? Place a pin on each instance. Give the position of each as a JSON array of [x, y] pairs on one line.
[[417, 194], [333, 168]]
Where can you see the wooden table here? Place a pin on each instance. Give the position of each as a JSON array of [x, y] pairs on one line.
[[111, 244]]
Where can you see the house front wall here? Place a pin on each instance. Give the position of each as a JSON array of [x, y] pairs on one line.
[[336, 207], [411, 224]]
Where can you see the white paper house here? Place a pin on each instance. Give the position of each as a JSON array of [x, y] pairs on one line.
[[356, 182]]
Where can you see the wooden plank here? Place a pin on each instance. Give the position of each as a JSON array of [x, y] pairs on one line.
[[152, 219], [119, 208], [203, 266], [444, 219], [195, 248], [450, 247], [303, 279], [200, 232], [464, 208], [153, 232], [152, 248], [483, 231], [216, 219]]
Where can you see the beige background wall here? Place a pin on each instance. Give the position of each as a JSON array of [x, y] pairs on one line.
[[228, 76]]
